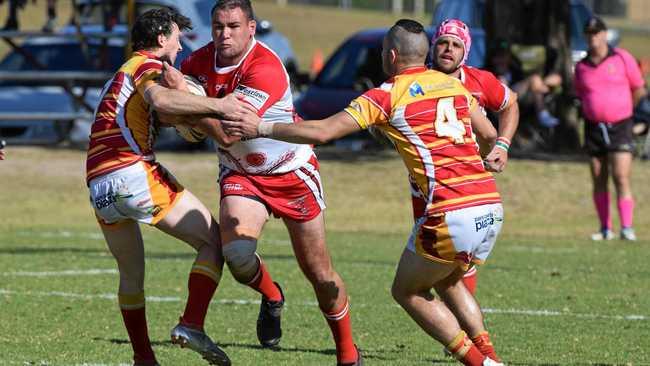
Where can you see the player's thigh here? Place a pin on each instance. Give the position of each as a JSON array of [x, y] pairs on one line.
[[241, 217], [309, 244], [416, 274], [191, 221], [124, 241]]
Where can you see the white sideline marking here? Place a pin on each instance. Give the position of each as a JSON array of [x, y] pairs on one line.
[[47, 363], [90, 272], [531, 249], [313, 303], [61, 234], [99, 236]]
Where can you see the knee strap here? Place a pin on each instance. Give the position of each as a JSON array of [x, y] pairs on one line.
[[241, 258]]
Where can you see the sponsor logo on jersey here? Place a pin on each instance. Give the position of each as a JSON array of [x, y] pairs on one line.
[[416, 89], [232, 187], [256, 159], [482, 222], [108, 199], [255, 97], [218, 87]]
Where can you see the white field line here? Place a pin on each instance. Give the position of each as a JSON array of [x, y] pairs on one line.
[[99, 236], [62, 234], [47, 363], [72, 272], [533, 249], [544, 312]]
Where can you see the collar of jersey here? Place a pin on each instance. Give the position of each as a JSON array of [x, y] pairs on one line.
[[227, 69], [147, 54]]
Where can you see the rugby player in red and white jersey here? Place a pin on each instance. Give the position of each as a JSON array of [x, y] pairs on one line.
[[450, 47], [259, 177], [430, 119]]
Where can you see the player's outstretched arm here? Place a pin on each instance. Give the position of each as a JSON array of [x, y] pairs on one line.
[[171, 101], [306, 132]]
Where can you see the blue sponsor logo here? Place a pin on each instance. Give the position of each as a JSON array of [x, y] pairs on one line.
[[416, 89], [482, 222]]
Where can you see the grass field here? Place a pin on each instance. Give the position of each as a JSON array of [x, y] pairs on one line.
[[551, 296]]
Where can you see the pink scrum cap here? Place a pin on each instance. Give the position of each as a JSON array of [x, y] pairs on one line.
[[456, 29]]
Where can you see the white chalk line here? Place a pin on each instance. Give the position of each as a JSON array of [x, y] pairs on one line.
[[526, 312], [99, 236], [48, 363], [62, 234], [534, 249], [72, 272]]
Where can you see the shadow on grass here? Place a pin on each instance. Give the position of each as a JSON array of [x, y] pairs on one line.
[[367, 353]]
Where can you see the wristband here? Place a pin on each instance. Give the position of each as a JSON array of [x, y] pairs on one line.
[[265, 129], [505, 140], [502, 145]]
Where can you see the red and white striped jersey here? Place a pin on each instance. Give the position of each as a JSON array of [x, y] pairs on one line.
[[262, 81], [123, 132], [426, 114]]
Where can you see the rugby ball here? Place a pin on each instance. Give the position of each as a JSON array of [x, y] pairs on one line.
[[187, 132]]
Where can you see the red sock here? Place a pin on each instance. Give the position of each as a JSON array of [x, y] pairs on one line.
[[135, 320], [341, 326], [469, 280], [263, 283], [203, 282], [483, 343], [465, 351]]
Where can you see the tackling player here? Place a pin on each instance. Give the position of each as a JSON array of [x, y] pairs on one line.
[[127, 186], [430, 118], [259, 177], [450, 49]]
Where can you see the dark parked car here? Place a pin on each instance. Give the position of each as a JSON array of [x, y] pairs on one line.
[[353, 68]]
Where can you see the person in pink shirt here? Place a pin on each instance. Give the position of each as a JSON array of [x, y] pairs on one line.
[[609, 84]]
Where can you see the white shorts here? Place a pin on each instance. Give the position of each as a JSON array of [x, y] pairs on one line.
[[465, 236], [144, 192]]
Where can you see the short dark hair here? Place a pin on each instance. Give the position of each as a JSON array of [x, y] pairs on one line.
[[594, 25], [410, 40], [409, 25], [152, 23], [244, 5]]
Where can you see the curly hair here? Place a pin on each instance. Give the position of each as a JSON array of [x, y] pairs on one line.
[[152, 23]]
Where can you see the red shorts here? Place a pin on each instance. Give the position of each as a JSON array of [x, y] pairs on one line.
[[297, 195]]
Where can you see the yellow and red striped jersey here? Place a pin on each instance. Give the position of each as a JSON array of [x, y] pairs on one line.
[[123, 132], [426, 114]]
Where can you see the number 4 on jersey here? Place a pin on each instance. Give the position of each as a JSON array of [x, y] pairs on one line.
[[447, 123]]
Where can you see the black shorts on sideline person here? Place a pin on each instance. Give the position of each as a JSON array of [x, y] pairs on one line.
[[603, 138]]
